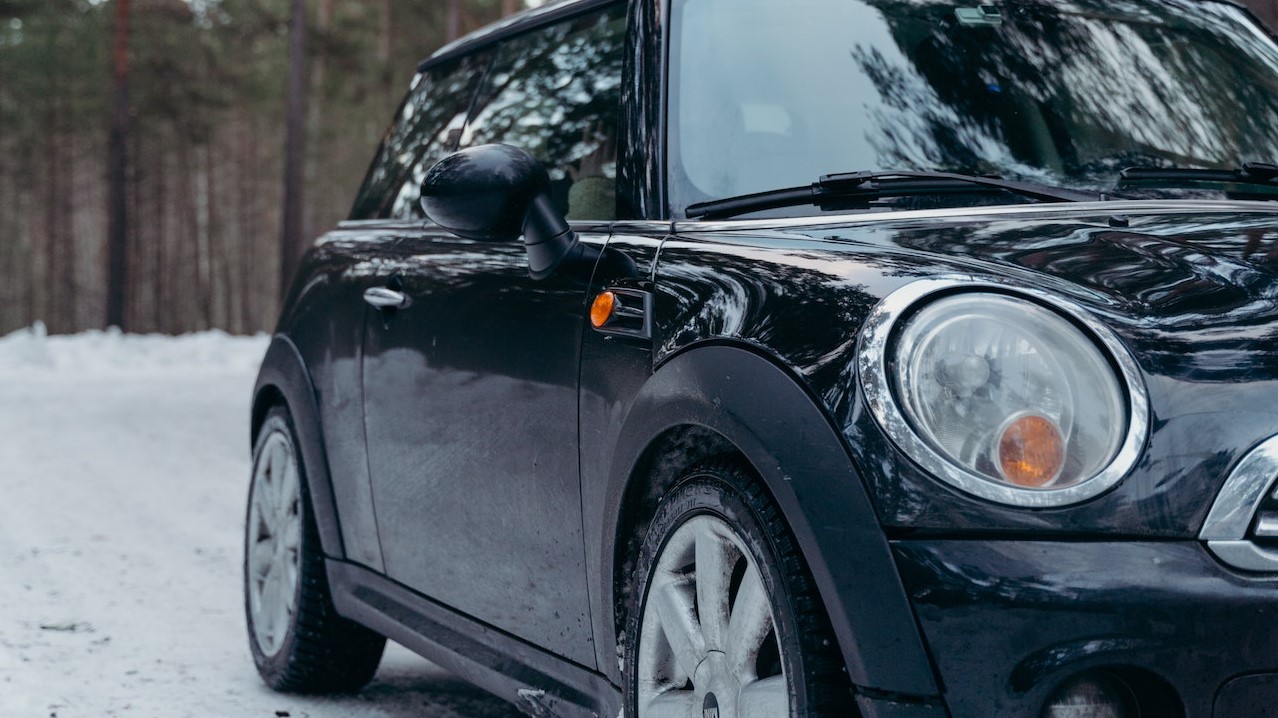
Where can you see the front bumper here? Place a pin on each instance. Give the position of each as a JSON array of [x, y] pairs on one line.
[[1007, 622]]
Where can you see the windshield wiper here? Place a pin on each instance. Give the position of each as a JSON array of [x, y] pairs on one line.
[[869, 186], [1251, 173]]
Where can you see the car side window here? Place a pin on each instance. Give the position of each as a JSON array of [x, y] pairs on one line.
[[555, 92], [426, 127]]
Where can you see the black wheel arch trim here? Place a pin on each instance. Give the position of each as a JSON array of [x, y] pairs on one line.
[[284, 377], [769, 417]]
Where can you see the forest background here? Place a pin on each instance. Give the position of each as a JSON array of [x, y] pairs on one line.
[[204, 155], [200, 170]]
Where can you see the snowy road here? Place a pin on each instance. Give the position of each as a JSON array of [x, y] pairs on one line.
[[123, 467]]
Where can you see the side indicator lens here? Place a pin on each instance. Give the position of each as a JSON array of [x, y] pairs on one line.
[[602, 308], [1031, 451]]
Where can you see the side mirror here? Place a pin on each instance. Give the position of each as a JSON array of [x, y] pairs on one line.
[[496, 193]]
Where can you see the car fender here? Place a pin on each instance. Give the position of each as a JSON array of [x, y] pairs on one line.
[[284, 376], [768, 416]]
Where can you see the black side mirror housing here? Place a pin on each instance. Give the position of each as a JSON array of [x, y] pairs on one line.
[[495, 193]]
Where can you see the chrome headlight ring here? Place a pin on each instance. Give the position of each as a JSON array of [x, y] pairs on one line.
[[876, 353]]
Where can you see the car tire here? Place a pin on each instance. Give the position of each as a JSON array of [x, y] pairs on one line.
[[298, 641], [724, 610]]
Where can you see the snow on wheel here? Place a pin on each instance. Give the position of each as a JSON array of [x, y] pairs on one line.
[[725, 621], [298, 641]]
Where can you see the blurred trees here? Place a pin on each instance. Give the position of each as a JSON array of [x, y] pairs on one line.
[[205, 152]]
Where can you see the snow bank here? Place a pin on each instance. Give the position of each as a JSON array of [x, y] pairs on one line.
[[112, 352], [124, 470]]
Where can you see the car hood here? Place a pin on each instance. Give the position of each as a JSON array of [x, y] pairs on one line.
[[1191, 288]]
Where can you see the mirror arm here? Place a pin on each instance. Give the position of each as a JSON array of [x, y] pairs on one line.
[[550, 242]]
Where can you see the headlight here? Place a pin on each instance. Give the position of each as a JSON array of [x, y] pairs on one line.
[[1003, 396]]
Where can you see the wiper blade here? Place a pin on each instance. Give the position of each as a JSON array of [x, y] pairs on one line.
[[1251, 173], [869, 186]]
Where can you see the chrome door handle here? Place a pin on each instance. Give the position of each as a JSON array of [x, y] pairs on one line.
[[386, 298]]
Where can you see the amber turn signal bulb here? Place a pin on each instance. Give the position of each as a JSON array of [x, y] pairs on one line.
[[1031, 451], [602, 308]]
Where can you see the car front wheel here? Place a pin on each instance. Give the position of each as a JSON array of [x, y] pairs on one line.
[[298, 641], [725, 620]]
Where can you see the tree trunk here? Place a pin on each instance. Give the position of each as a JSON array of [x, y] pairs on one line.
[[454, 19], [388, 27], [161, 304], [52, 196], [509, 7], [117, 175], [315, 130], [205, 192], [294, 149]]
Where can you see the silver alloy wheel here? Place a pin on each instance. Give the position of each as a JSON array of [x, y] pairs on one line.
[[274, 542], [700, 640]]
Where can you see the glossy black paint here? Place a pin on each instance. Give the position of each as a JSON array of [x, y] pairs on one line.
[[483, 193], [324, 319], [1192, 294], [495, 193], [1051, 609], [470, 414], [791, 299], [512, 451], [1189, 293], [755, 408]]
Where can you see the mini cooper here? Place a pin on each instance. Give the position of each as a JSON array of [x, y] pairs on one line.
[[828, 358]]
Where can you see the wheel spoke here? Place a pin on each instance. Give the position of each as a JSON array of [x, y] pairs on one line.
[[673, 602], [287, 487], [260, 558], [290, 587], [715, 556], [283, 606], [292, 533], [767, 698], [675, 703], [275, 463], [264, 499], [266, 617], [749, 626]]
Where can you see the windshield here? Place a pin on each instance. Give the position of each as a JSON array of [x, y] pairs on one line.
[[767, 94]]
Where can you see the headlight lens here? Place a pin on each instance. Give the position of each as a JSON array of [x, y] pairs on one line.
[[1009, 390], [1017, 396]]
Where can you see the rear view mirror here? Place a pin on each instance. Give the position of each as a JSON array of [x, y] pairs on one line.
[[495, 193]]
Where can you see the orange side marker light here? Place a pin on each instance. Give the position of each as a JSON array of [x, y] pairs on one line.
[[602, 308]]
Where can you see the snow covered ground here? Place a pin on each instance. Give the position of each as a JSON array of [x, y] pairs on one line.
[[123, 470]]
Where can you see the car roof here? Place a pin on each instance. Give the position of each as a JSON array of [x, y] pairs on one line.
[[556, 9], [512, 25]]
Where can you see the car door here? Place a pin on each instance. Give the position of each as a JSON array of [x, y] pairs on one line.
[[470, 389]]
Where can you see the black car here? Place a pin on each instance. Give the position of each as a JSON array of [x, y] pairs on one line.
[[860, 357]]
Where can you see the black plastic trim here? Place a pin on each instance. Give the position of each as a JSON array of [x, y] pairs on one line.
[[771, 420], [633, 315], [478, 653], [284, 371]]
